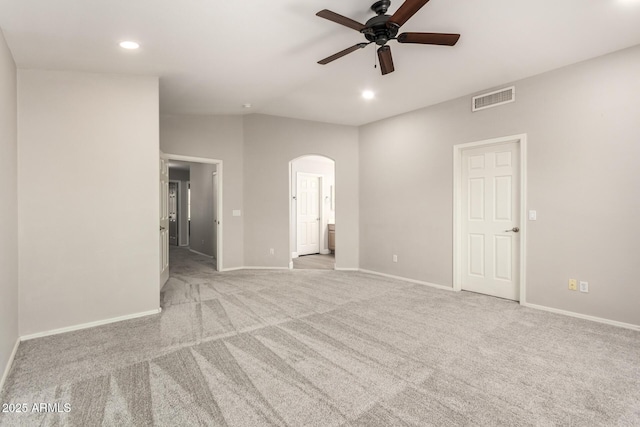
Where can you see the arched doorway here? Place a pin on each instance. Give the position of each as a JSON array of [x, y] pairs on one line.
[[312, 212]]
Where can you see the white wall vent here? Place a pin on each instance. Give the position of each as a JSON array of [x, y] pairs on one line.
[[493, 99]]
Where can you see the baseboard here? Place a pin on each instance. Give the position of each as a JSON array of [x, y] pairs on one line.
[[405, 279], [294, 255], [346, 268], [200, 253], [290, 265], [583, 316], [7, 368], [89, 325], [325, 251]]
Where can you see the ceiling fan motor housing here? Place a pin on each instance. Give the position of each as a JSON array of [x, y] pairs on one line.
[[378, 31]]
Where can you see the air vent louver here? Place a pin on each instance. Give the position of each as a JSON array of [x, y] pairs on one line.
[[493, 99]]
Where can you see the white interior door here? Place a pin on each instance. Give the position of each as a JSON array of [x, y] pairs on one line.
[[490, 220], [164, 222], [308, 213]]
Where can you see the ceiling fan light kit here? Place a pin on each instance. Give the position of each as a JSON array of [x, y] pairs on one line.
[[382, 28]]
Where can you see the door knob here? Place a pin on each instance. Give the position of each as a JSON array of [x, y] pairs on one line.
[[162, 228], [514, 229]]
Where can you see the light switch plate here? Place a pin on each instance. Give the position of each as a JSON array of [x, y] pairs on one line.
[[236, 212], [584, 286], [533, 215]]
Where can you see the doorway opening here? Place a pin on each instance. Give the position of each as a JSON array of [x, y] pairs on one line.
[[489, 232], [174, 210], [312, 213], [193, 199]]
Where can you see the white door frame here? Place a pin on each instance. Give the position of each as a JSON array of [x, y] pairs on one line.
[[163, 205], [215, 178], [168, 156], [187, 213], [521, 139]]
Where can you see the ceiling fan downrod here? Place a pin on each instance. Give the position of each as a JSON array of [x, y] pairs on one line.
[[377, 29]]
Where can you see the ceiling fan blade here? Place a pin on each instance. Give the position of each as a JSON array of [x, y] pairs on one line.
[[386, 61], [339, 19], [342, 53], [441, 39], [406, 11]]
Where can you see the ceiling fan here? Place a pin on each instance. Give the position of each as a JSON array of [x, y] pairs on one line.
[[382, 28]]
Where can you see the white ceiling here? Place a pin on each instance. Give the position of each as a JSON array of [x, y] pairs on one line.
[[213, 56]]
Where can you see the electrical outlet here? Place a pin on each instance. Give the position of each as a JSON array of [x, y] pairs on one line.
[[584, 286], [272, 251], [395, 258], [573, 285]]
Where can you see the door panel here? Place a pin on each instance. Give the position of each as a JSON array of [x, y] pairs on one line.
[[490, 198], [308, 212], [504, 205], [476, 255], [476, 199], [503, 247]]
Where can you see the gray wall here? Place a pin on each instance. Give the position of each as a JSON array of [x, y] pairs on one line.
[[202, 209], [8, 206], [88, 205], [178, 174], [270, 144], [583, 126], [214, 137]]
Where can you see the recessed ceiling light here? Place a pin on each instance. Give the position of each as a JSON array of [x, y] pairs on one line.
[[129, 45], [368, 94], [246, 105]]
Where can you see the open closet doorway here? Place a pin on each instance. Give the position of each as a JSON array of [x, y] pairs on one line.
[[194, 199], [312, 213]]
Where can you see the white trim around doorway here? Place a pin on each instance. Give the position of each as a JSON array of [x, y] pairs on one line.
[[219, 240], [521, 139]]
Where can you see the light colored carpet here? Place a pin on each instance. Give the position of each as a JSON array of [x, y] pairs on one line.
[[315, 262], [329, 348]]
